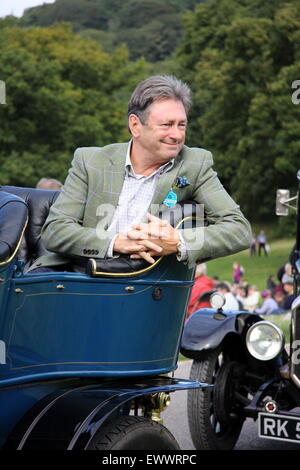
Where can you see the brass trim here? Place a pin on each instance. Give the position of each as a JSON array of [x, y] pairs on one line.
[[18, 291], [135, 273], [92, 363], [59, 292], [3, 263], [129, 288]]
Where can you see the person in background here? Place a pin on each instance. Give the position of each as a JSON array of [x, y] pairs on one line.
[[49, 183], [269, 304], [279, 298], [215, 280], [252, 300], [288, 287], [262, 242], [252, 246], [203, 283], [231, 302], [241, 296], [287, 275], [238, 272], [270, 283]]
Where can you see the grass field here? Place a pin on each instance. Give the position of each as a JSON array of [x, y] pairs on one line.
[[257, 268]]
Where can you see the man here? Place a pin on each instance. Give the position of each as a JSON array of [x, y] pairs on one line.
[[103, 209]]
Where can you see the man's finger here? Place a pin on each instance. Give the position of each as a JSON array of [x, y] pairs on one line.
[[146, 231], [134, 248], [151, 246], [136, 234], [145, 255], [157, 220]]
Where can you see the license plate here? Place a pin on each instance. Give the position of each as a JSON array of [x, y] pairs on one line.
[[280, 427]]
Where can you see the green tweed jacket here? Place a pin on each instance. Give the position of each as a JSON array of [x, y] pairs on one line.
[[78, 220]]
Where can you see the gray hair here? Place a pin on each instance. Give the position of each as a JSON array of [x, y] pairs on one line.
[[158, 87], [49, 183]]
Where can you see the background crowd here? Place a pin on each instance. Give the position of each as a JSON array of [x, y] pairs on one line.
[[277, 297]]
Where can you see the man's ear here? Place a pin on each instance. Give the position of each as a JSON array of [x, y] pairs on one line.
[[134, 125]]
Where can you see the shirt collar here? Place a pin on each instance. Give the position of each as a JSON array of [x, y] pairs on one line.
[[129, 169]]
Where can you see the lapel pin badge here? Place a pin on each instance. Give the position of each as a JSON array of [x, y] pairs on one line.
[[171, 198]]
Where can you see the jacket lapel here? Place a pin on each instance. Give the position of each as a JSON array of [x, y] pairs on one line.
[[113, 177], [166, 181]]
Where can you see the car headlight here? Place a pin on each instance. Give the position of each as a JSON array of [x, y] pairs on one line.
[[264, 340], [217, 300]]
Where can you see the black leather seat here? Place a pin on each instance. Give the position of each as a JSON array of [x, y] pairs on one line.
[[36, 203], [13, 219]]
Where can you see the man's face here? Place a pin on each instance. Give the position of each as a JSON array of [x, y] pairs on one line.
[[163, 134]]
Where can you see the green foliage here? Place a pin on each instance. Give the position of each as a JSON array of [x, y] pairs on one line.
[[62, 92], [241, 57], [149, 28]]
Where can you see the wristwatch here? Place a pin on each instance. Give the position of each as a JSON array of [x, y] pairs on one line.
[[181, 254], [179, 249]]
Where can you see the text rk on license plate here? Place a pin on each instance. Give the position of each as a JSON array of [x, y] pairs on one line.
[[280, 427]]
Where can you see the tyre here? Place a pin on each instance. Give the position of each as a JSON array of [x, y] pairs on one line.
[[215, 414], [133, 433]]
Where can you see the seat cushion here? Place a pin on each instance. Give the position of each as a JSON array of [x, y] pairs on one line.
[[38, 202], [13, 219]]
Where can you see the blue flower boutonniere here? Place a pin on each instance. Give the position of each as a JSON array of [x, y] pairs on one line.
[[171, 198], [181, 182]]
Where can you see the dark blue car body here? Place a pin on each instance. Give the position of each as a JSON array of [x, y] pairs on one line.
[[77, 349]]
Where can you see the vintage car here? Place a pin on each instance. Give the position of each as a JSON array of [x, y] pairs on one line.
[[85, 357], [244, 356]]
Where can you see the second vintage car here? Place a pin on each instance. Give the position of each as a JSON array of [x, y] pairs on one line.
[[245, 358]]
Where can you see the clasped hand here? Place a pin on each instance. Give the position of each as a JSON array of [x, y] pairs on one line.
[[145, 240]]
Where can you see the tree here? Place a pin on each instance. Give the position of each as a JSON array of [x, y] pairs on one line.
[[241, 57], [62, 92], [149, 28]]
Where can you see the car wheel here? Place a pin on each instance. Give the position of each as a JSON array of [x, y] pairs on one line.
[[215, 414], [133, 433]]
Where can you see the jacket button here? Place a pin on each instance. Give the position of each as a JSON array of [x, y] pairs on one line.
[[84, 251]]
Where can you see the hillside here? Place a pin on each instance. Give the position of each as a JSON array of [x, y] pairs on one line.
[[149, 28]]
